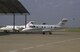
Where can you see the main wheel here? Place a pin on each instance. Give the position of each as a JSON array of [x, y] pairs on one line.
[[50, 33], [16, 31], [6, 31], [43, 33]]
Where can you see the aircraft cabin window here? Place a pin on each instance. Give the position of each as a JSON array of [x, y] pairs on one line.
[[44, 27], [54, 27], [37, 27]]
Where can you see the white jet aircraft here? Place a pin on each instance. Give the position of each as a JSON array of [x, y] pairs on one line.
[[9, 28], [31, 27]]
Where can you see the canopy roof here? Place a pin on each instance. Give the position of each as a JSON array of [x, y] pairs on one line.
[[12, 6]]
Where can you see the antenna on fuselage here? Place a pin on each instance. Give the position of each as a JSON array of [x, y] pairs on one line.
[[43, 23]]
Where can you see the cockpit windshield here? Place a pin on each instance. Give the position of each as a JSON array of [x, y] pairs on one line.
[[32, 26]]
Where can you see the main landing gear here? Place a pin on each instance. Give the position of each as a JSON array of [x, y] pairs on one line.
[[50, 33], [6, 31]]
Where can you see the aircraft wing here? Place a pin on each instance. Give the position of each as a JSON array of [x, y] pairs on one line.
[[46, 30], [20, 28]]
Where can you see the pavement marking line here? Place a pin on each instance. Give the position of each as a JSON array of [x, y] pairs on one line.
[[40, 45], [73, 39], [28, 48], [48, 44], [37, 46], [61, 41], [66, 40], [14, 51]]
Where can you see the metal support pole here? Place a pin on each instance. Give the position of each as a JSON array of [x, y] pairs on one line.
[[25, 20], [13, 22]]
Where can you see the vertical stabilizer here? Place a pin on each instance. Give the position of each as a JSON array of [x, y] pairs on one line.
[[62, 22]]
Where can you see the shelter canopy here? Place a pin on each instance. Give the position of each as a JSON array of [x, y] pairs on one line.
[[12, 6]]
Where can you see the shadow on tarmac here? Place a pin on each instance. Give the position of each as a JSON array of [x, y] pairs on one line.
[[9, 33], [4, 33]]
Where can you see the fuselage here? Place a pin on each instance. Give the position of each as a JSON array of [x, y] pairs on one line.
[[40, 28], [44, 28]]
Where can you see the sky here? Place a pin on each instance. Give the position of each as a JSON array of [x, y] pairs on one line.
[[48, 11]]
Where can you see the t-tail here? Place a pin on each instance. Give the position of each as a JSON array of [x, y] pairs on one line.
[[62, 22]]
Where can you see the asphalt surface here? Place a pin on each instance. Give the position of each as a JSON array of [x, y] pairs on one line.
[[57, 42]]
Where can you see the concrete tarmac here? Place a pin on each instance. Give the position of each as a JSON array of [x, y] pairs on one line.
[[57, 42]]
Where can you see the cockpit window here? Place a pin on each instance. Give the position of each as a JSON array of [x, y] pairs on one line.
[[32, 26]]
